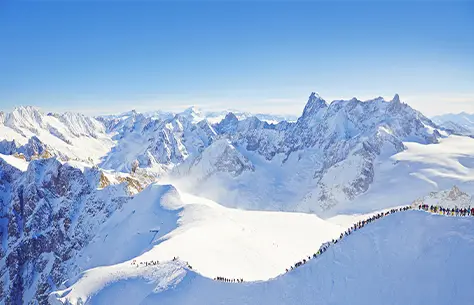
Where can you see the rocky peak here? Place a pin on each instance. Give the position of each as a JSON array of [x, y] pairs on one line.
[[396, 106], [230, 118], [314, 104], [455, 193], [396, 98], [228, 124]]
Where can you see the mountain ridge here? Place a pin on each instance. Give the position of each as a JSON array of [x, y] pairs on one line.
[[65, 176]]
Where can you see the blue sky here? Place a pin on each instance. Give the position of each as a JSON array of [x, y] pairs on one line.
[[108, 56]]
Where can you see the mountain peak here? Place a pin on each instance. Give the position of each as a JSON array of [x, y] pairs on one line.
[[230, 117], [25, 107], [24, 116], [396, 98], [191, 110], [454, 193], [315, 102]]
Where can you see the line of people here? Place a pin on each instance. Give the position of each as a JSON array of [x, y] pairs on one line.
[[154, 263], [447, 211], [223, 279], [357, 226]]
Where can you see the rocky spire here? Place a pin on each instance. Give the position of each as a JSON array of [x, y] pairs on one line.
[[314, 104], [455, 193], [396, 98]]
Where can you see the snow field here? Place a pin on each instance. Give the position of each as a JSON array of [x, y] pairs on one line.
[[409, 250]]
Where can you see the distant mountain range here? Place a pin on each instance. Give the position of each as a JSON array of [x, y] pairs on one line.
[[65, 175], [461, 123]]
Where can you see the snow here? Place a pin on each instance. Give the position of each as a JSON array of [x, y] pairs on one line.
[[274, 185], [7, 133], [216, 240], [73, 135], [15, 162], [407, 258], [424, 168], [462, 123], [229, 203]]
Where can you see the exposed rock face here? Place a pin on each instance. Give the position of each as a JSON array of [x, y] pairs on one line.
[[455, 194], [49, 213], [34, 149], [104, 181], [133, 185]]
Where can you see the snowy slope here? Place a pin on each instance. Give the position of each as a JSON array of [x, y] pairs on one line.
[[18, 163], [405, 258], [417, 171], [161, 223]]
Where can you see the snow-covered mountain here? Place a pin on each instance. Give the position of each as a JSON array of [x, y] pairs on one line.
[[72, 186], [408, 252], [31, 133], [311, 153], [452, 198], [49, 212], [461, 123], [196, 114], [327, 157]]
